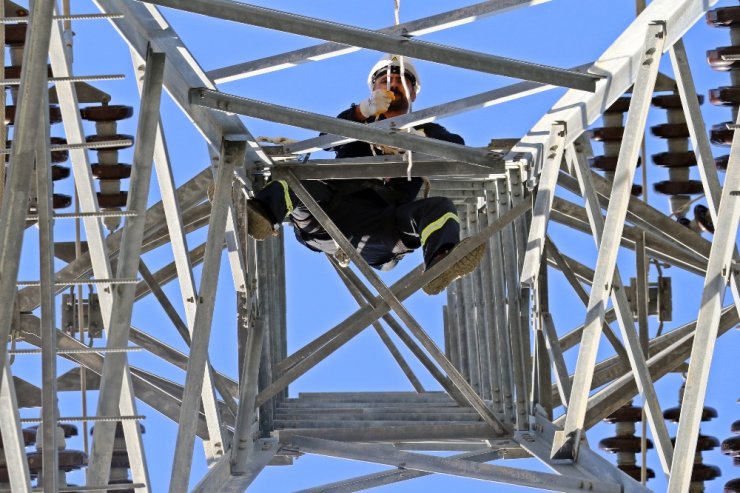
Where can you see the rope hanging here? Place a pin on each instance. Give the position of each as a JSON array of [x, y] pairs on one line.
[[397, 18]]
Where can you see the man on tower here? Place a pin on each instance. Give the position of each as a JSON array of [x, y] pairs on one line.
[[382, 218]]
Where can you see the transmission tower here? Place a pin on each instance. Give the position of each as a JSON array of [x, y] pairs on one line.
[[501, 386]]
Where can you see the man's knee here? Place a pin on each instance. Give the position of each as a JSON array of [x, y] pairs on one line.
[[441, 204]]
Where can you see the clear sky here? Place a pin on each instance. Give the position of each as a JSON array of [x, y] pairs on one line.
[[561, 33]]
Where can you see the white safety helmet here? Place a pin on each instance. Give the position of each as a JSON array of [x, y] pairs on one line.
[[394, 63]]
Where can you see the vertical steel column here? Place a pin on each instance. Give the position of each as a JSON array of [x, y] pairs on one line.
[[3, 127], [49, 407], [262, 324], [556, 356], [213, 446], [489, 306], [12, 435], [99, 257], [265, 252], [232, 155], [547, 182], [719, 269], [566, 442], [115, 364], [498, 201], [518, 193], [247, 307], [481, 318], [641, 292], [542, 393], [467, 306], [23, 153], [699, 141], [625, 319], [244, 435], [279, 342], [455, 297], [446, 333], [516, 331]]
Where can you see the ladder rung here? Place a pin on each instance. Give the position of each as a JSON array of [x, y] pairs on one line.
[[82, 215], [74, 78], [81, 282], [84, 145], [99, 419], [81, 350], [76, 17], [106, 487]]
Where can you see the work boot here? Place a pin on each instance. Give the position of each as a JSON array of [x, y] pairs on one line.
[[259, 225], [703, 218], [461, 268]]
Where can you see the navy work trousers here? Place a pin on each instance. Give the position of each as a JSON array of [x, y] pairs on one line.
[[381, 232]]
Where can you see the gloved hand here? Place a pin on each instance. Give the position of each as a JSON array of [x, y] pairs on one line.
[[420, 132], [377, 103]]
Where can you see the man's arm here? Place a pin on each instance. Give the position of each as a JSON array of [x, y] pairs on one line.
[[436, 131]]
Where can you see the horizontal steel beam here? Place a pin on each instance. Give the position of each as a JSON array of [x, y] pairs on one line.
[[418, 27], [388, 137], [433, 113], [373, 167], [388, 43], [387, 454], [391, 476]]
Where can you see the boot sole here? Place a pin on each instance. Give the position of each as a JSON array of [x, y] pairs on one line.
[[463, 267], [259, 226]]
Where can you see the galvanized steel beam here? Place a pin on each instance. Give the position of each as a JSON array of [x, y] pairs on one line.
[[389, 137], [213, 447], [232, 155], [388, 43], [419, 27], [384, 454], [115, 366], [619, 66], [719, 270], [567, 442]]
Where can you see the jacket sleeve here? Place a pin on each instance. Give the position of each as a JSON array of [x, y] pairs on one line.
[[352, 149], [436, 131]]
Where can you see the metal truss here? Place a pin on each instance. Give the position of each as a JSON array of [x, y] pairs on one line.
[[497, 385]]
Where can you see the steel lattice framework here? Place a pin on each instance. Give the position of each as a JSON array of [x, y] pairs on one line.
[[500, 368]]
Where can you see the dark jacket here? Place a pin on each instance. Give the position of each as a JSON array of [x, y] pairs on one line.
[[395, 190]]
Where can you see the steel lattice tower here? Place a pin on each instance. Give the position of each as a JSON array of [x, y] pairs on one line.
[[502, 385]]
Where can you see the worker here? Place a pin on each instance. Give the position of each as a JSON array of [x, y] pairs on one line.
[[382, 218]]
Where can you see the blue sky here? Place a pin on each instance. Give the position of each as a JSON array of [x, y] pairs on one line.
[[561, 33]]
